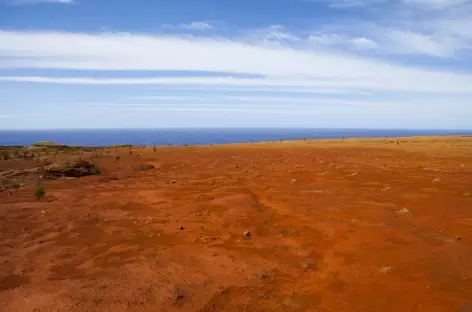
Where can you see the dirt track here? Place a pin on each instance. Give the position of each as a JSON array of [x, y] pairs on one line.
[[328, 230]]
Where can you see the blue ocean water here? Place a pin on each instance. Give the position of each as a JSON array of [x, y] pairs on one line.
[[196, 136]]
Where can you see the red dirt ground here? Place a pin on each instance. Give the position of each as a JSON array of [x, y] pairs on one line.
[[327, 234]]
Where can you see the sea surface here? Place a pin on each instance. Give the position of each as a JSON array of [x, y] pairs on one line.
[[197, 136]]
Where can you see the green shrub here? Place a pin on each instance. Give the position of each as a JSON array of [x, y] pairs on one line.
[[40, 192]]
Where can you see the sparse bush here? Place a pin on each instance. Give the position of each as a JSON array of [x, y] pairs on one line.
[[117, 157], [96, 170], [130, 152], [5, 155], [40, 192], [16, 186]]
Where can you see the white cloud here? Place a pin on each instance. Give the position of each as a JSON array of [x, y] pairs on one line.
[[200, 26], [435, 4], [273, 34], [337, 39], [364, 43], [410, 42], [218, 99], [282, 66], [441, 38]]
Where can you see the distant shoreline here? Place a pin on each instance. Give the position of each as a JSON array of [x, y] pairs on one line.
[[391, 139], [202, 136]]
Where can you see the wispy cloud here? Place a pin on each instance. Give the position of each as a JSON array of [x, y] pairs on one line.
[[336, 39], [272, 34], [199, 26], [436, 4], [281, 65]]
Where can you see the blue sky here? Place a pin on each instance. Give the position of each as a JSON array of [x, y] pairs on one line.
[[237, 63]]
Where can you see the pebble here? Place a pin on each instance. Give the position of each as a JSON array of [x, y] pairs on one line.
[[199, 214], [182, 228], [247, 233], [458, 238]]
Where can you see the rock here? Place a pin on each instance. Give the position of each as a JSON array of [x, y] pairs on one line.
[[199, 214], [182, 228], [404, 212], [294, 181], [87, 215], [247, 233], [458, 238]]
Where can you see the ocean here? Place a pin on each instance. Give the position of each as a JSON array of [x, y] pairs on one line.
[[197, 136]]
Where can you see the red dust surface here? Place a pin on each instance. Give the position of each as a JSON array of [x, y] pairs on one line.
[[337, 225]]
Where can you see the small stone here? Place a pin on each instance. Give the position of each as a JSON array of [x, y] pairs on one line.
[[87, 215], [294, 181], [247, 233], [404, 212], [24, 229], [458, 238], [182, 228], [199, 214]]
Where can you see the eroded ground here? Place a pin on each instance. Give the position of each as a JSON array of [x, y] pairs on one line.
[[353, 225]]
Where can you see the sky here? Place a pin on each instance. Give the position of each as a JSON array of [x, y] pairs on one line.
[[403, 64]]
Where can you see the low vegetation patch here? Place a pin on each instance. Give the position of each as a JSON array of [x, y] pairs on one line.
[[39, 192], [74, 169], [5, 155]]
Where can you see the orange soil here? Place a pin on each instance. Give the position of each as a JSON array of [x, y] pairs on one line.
[[327, 234]]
